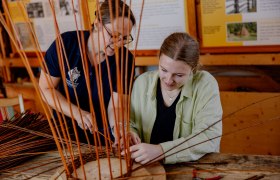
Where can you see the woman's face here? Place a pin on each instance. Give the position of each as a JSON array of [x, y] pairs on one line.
[[173, 74], [121, 32]]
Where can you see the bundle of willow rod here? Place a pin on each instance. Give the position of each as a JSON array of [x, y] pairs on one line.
[[18, 144]]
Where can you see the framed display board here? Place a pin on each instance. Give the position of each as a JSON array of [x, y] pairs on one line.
[[40, 14], [239, 25], [159, 19]]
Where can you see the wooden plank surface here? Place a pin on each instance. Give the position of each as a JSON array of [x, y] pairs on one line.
[[229, 166]]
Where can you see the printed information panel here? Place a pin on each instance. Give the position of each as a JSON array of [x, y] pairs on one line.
[[240, 22], [160, 18], [38, 15]]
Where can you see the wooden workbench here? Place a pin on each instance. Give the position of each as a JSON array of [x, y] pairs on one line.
[[229, 166]]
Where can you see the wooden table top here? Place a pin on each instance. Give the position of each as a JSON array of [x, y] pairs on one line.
[[228, 166]]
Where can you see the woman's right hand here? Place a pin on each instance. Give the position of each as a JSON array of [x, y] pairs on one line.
[[133, 138]]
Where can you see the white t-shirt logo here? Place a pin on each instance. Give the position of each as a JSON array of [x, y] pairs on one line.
[[73, 74]]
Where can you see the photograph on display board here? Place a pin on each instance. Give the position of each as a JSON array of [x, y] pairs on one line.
[[240, 6], [66, 7], [242, 31], [35, 10], [24, 34], [40, 13]]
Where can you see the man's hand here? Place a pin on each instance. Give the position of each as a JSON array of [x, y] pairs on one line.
[[144, 153], [86, 118]]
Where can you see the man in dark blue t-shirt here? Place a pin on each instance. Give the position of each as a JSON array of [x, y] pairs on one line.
[[80, 56]]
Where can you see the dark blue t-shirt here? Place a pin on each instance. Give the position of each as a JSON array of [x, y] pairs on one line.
[[72, 50]]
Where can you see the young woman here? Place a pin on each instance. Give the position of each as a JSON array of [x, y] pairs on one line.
[[105, 39], [172, 108]]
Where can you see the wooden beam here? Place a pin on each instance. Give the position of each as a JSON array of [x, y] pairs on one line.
[[240, 49], [146, 61], [221, 59], [241, 59], [208, 60], [191, 19], [17, 62]]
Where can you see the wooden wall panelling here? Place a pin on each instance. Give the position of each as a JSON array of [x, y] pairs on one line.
[[262, 139], [248, 83]]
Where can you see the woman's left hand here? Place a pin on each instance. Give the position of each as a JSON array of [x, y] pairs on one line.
[[143, 152]]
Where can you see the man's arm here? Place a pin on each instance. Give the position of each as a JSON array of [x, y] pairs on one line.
[[56, 100]]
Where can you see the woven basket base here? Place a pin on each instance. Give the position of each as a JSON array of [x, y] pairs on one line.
[[155, 171]]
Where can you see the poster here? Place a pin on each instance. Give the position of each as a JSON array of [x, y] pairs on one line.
[[160, 18], [38, 15], [240, 22]]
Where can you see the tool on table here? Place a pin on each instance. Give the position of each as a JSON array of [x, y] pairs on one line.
[[194, 176]]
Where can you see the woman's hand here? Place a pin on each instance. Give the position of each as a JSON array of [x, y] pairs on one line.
[[133, 138], [144, 153], [118, 135]]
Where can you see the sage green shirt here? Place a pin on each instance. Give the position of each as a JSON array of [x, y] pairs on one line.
[[198, 108]]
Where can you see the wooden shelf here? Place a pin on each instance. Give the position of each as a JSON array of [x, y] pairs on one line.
[[207, 59], [19, 85], [222, 59], [241, 59], [17, 62]]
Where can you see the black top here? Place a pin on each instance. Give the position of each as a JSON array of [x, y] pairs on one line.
[[165, 119]]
